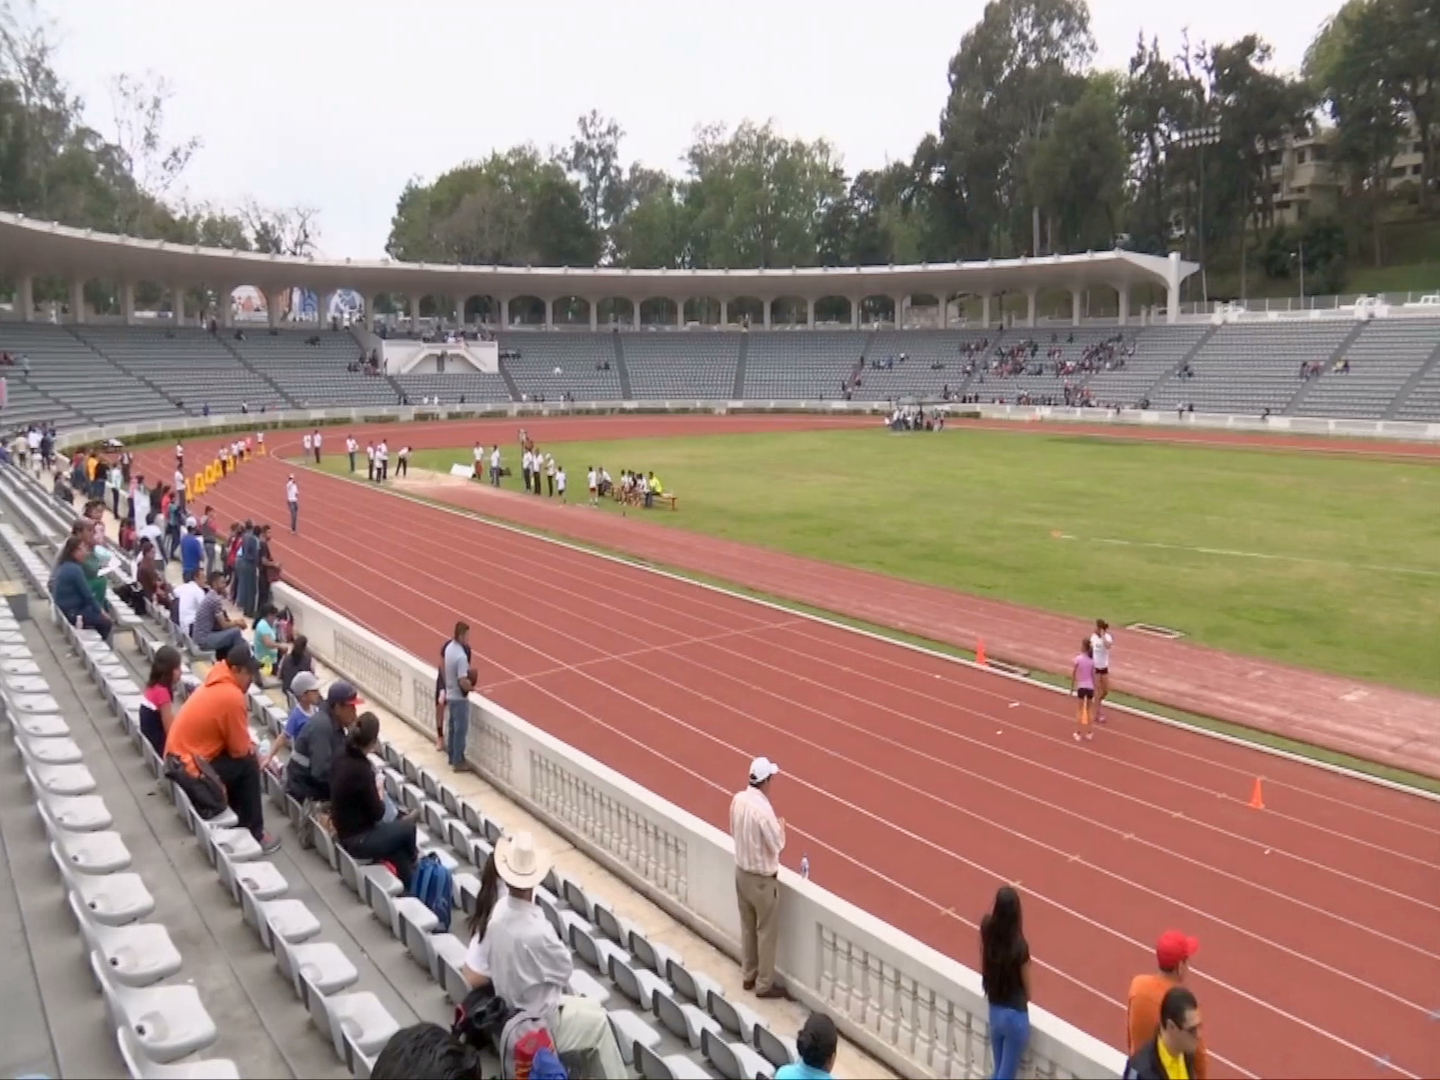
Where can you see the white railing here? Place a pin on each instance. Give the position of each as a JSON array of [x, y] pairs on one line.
[[194, 426], [910, 1006]]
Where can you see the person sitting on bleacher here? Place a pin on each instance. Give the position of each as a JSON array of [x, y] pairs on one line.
[[71, 589], [426, 1052], [358, 812], [817, 1045], [305, 688], [213, 724], [213, 630], [320, 744], [530, 967]]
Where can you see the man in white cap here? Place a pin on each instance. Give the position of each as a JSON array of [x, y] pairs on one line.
[[292, 496], [530, 967], [759, 838]]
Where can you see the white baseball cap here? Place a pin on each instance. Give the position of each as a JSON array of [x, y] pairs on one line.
[[762, 769]]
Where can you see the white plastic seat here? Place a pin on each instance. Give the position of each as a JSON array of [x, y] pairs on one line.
[[41, 725], [18, 665], [60, 779], [583, 984], [289, 919], [651, 1066], [93, 853], [113, 899], [25, 684], [403, 914], [322, 964], [136, 955], [631, 1030], [637, 984], [61, 751], [77, 813], [239, 844], [685, 1021], [734, 1060], [142, 1068], [260, 879], [358, 1020], [39, 704], [167, 1022]]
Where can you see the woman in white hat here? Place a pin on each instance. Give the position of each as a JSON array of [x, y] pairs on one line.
[[530, 967]]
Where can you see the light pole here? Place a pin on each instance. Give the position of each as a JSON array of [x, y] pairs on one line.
[[1198, 138], [1299, 256]]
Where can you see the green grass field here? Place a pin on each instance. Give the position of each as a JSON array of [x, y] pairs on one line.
[[1327, 562]]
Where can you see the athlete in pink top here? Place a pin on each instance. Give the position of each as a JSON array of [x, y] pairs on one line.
[[1082, 682]]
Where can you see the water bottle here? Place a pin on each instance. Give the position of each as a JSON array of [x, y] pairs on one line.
[[805, 867], [264, 748]]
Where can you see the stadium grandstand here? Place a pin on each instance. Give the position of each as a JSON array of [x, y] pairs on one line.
[[180, 981]]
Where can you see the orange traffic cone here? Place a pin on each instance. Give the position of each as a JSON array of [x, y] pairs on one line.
[[1257, 796], [980, 653]]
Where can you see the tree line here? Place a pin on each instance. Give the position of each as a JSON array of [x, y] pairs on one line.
[[1036, 151]]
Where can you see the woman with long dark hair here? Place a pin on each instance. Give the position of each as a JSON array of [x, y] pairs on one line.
[[357, 809], [298, 659], [157, 709], [476, 970], [1005, 975]]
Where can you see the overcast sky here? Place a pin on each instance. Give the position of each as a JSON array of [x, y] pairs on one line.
[[336, 103]]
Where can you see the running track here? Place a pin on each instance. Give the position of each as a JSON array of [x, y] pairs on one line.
[[917, 785]]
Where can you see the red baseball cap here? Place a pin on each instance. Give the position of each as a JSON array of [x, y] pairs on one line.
[[1174, 948]]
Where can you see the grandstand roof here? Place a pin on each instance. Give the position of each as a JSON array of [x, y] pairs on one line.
[[29, 246]]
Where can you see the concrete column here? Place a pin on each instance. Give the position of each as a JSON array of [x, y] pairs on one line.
[[594, 314], [855, 302], [272, 307], [810, 313], [26, 298], [724, 312], [414, 309], [1076, 295], [765, 303], [900, 312], [77, 302], [549, 313], [322, 308], [1122, 292], [501, 312], [944, 311], [127, 303], [1030, 295], [985, 310], [224, 309], [1172, 288], [635, 313], [679, 303], [177, 305]]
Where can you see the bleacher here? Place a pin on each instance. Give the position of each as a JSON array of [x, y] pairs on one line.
[[64, 368], [682, 364], [1158, 350], [451, 386], [188, 363], [555, 364], [790, 365], [1382, 359], [1248, 368], [312, 376], [215, 961], [913, 377]]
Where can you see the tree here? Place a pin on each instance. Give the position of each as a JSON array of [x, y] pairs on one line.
[[1409, 33], [1157, 101], [593, 159], [1076, 170], [152, 163]]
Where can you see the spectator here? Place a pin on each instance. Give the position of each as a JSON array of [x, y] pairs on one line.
[[292, 499], [426, 1052], [531, 968], [296, 659], [268, 569], [320, 743], [817, 1045], [148, 576], [157, 710], [1172, 957], [358, 811], [213, 629], [71, 591], [188, 598], [459, 681], [759, 838], [306, 689], [210, 538], [247, 566], [1005, 976], [267, 640], [476, 969], [213, 725], [1171, 1052]]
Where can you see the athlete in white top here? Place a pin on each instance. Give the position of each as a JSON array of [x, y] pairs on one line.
[[1100, 645]]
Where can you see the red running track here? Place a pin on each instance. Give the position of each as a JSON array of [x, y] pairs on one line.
[[917, 785]]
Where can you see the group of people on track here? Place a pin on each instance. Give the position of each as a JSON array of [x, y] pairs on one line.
[[1090, 680]]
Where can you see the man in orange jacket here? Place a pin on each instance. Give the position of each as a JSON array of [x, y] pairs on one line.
[[213, 724], [1172, 956]]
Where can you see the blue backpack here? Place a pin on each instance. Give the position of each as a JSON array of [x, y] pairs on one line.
[[433, 888]]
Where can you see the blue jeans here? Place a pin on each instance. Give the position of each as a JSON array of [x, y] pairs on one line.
[[1009, 1033], [457, 729]]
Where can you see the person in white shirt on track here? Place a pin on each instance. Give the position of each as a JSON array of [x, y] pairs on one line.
[[560, 481], [1100, 645], [590, 482], [292, 499]]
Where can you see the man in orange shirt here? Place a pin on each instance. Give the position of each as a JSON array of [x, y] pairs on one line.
[[213, 724], [1172, 956]]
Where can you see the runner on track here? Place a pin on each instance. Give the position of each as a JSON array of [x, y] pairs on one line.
[[1100, 644], [1082, 684]]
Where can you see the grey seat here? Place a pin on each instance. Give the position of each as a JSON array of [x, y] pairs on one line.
[[138, 954], [167, 1022]]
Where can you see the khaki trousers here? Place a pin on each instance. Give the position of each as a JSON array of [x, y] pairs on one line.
[[759, 898]]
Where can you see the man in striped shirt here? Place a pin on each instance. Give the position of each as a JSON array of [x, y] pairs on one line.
[[759, 838]]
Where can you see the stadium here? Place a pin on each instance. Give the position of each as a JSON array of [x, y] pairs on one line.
[[856, 518]]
